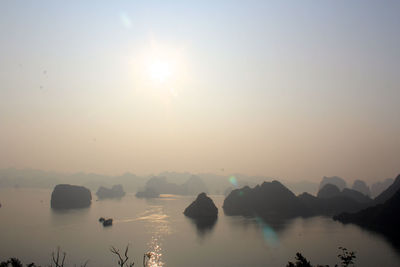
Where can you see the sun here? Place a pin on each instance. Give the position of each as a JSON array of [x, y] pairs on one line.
[[160, 70]]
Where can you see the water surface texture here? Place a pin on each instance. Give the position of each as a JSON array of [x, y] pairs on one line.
[[31, 230]]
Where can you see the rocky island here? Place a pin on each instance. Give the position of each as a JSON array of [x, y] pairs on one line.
[[273, 201], [384, 217], [202, 207], [268, 200], [65, 196]]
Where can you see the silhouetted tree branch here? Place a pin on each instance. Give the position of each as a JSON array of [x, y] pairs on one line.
[[146, 257], [122, 260], [56, 258]]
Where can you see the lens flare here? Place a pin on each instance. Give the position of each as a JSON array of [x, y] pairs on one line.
[[233, 181], [125, 20], [269, 234]]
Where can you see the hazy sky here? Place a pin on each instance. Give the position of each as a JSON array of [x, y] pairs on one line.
[[288, 89]]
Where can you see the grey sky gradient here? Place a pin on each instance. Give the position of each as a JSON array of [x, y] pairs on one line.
[[289, 89]]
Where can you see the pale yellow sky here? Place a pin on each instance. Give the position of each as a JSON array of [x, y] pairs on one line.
[[288, 91]]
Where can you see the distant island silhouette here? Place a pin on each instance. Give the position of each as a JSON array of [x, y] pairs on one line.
[[160, 185], [362, 187], [116, 191], [335, 180], [212, 183]]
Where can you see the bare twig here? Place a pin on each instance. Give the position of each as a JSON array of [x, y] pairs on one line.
[[122, 261], [146, 258], [56, 258]]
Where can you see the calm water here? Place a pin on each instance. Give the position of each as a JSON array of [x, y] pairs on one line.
[[30, 230]]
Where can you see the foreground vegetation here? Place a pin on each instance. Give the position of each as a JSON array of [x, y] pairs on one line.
[[346, 257], [58, 260]]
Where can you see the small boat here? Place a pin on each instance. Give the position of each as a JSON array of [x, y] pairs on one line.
[[107, 222]]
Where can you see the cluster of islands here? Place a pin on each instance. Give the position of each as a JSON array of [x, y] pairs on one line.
[[269, 200]]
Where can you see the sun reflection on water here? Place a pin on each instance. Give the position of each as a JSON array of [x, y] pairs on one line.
[[157, 225], [153, 258]]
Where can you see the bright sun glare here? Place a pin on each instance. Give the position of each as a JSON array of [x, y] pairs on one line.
[[160, 70]]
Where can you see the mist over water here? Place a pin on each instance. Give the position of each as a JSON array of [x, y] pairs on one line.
[[31, 230]]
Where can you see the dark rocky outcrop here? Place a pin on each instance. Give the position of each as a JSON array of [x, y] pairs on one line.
[[389, 192], [378, 187], [202, 208], [269, 200], [335, 180], [384, 218], [67, 196], [361, 187], [115, 192]]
